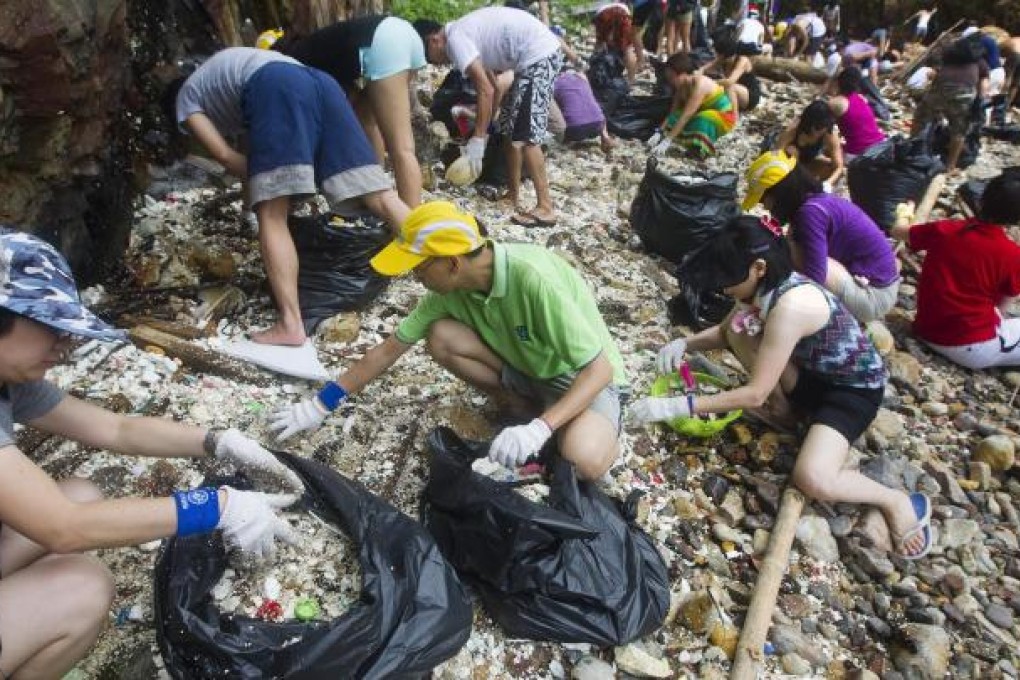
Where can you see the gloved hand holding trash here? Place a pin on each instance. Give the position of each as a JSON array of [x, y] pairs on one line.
[[250, 523], [475, 152], [307, 414], [248, 456], [514, 445]]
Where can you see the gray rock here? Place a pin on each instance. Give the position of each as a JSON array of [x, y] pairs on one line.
[[788, 639], [921, 650], [965, 421], [841, 525], [886, 470], [958, 532], [1000, 615], [926, 615], [878, 627], [793, 664], [873, 562], [888, 425], [816, 539], [590, 668]]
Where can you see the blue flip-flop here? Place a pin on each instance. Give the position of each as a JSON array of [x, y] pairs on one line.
[[922, 509]]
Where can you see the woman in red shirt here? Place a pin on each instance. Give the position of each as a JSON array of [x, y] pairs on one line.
[[971, 275]]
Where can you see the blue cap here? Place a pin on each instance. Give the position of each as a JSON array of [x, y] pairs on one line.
[[36, 282]]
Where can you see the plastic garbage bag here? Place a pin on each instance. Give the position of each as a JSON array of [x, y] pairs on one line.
[[574, 570], [939, 141], [875, 100], [334, 274], [637, 117], [607, 79], [455, 89], [971, 192], [890, 173], [412, 615], [674, 215]]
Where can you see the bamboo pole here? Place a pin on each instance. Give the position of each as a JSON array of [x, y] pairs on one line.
[[748, 658]]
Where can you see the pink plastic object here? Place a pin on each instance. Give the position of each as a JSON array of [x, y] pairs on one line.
[[687, 376]]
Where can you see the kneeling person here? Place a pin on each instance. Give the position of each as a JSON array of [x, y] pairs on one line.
[[513, 320]]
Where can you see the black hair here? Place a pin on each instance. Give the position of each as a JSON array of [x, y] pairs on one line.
[[724, 259], [726, 46], [426, 28], [7, 319], [789, 194], [849, 80], [681, 63], [1000, 202], [816, 116]]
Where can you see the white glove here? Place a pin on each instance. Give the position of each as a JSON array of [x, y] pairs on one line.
[[671, 356], [248, 455], [514, 445], [249, 521], [475, 152], [654, 140], [306, 414], [662, 147], [654, 409], [827, 187]]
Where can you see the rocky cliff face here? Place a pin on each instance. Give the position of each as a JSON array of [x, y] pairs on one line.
[[80, 87]]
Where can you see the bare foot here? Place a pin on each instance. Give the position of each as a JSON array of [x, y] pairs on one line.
[[278, 335]]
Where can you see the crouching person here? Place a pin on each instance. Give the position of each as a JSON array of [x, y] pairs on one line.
[[54, 600], [513, 320], [803, 351]]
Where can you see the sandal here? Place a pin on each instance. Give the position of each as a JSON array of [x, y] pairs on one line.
[[527, 219], [922, 509]]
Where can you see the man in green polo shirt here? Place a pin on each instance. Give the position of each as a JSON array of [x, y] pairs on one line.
[[514, 320]]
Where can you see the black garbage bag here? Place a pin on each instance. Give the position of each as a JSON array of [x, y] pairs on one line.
[[875, 100], [412, 615], [1007, 133], [455, 89], [890, 173], [334, 273], [607, 79], [675, 215], [575, 570], [494, 170], [971, 192], [637, 117]]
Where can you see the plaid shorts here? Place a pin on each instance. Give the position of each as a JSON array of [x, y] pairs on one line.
[[950, 101], [524, 115]]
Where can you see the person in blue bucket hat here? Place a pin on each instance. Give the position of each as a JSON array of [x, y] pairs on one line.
[[55, 600]]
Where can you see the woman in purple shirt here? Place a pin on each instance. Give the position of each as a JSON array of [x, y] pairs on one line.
[[833, 241]]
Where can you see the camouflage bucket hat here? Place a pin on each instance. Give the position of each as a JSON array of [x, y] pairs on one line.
[[36, 282]]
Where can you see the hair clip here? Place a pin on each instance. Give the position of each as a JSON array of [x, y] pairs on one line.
[[770, 223]]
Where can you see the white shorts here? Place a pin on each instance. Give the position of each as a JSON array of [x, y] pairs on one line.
[[1002, 350], [996, 79]]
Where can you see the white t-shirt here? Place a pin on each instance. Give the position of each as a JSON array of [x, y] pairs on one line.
[[816, 27], [751, 31], [503, 38]]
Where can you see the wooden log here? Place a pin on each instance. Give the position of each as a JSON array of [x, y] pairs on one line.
[[783, 70], [197, 358], [918, 61], [927, 202], [748, 658]]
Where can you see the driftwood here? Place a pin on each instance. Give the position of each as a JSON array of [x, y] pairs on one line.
[[783, 69], [918, 61], [197, 358], [748, 658]]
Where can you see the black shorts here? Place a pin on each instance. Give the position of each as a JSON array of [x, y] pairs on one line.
[[813, 45], [680, 9], [643, 13], [847, 410]]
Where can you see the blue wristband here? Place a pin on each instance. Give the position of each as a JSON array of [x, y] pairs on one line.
[[198, 510], [690, 404], [332, 395]]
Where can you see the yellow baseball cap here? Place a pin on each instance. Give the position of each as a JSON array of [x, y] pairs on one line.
[[434, 229], [268, 38], [765, 172]]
